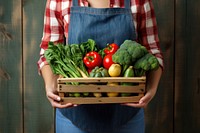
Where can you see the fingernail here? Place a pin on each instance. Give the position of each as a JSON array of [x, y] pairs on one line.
[[58, 98]]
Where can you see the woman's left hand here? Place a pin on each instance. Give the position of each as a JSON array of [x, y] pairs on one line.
[[143, 102], [153, 78]]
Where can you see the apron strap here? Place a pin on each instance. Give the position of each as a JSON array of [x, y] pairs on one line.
[[127, 4], [75, 3]]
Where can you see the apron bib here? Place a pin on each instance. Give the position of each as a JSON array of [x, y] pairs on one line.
[[107, 25], [104, 25]]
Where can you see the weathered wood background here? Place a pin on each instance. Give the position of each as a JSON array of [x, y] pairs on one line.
[[23, 104]]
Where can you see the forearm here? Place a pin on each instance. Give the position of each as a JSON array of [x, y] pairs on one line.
[[153, 78], [50, 79]]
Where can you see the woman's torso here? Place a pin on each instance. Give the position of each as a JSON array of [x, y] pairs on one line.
[[86, 23]]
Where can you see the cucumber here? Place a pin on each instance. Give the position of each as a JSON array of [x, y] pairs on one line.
[[128, 73]]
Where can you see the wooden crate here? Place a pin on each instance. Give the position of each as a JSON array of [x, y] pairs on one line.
[[92, 85]]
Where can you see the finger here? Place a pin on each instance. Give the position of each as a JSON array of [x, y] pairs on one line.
[[55, 101], [68, 105], [141, 104], [53, 96], [145, 99], [136, 105], [59, 105]]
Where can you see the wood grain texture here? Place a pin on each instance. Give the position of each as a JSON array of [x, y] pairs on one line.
[[187, 72], [159, 113], [11, 92], [38, 114]]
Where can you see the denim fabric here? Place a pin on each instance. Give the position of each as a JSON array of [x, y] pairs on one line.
[[104, 25], [64, 125], [110, 25], [135, 125], [99, 118]]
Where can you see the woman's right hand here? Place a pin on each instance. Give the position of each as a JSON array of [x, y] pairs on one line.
[[50, 86], [54, 99]]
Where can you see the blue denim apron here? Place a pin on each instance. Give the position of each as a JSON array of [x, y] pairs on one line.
[[107, 25], [104, 25]]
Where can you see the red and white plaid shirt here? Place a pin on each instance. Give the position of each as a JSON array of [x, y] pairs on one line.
[[56, 22]]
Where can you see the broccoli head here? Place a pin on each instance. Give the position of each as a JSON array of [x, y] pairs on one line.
[[133, 53], [129, 43], [129, 52], [135, 49], [122, 57], [147, 62]]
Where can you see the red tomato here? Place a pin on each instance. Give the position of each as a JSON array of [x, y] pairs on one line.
[[111, 48], [107, 61], [92, 59]]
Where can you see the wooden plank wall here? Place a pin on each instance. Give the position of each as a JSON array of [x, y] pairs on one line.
[[187, 72], [38, 114], [11, 79], [159, 113], [23, 104]]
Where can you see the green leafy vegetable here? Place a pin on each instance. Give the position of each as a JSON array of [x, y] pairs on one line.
[[59, 62], [77, 56], [88, 46], [67, 60]]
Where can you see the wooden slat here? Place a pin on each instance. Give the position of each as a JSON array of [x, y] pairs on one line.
[[96, 85], [101, 88], [101, 100], [103, 79]]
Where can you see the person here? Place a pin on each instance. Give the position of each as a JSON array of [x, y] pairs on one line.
[[105, 21]]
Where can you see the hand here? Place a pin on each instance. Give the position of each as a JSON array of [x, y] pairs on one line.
[[54, 99], [143, 102], [153, 79], [50, 86]]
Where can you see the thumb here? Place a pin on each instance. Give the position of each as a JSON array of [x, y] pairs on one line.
[[145, 99]]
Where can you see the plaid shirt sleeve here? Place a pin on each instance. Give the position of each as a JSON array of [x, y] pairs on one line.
[[146, 27], [56, 22], [53, 26]]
